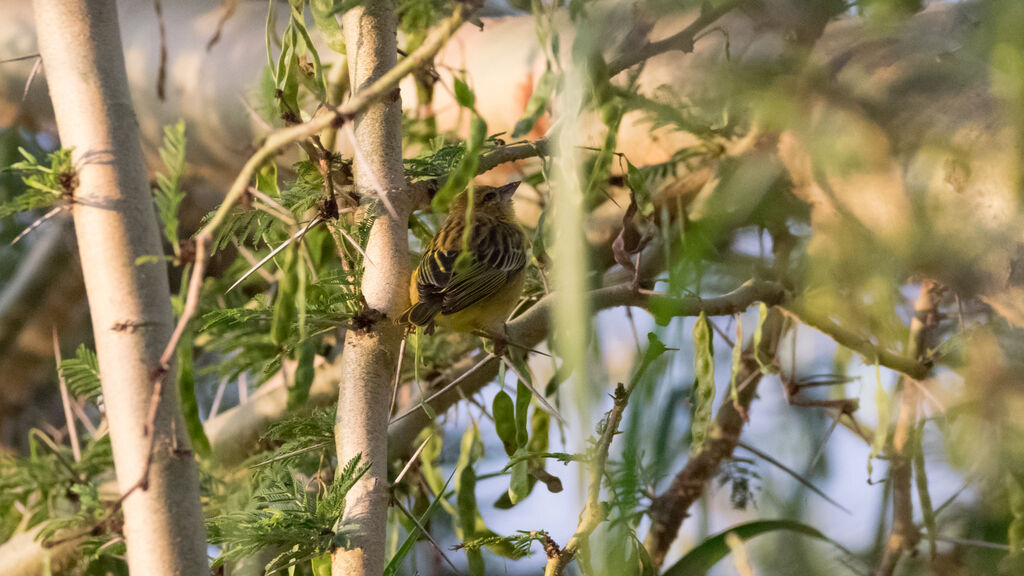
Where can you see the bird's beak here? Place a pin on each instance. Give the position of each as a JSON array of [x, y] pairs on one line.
[[508, 190]]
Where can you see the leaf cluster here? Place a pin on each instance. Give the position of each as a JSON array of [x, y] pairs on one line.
[[47, 184], [287, 513]]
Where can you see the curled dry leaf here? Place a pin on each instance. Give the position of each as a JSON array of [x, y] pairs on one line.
[[631, 240]]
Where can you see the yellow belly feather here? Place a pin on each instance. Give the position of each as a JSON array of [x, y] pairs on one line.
[[488, 314]]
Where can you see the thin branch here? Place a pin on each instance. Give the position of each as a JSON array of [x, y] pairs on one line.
[[412, 459], [914, 368], [65, 399], [905, 534], [682, 40], [807, 483], [593, 511], [536, 393], [512, 153]]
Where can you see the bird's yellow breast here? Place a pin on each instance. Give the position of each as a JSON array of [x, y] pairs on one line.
[[488, 314]]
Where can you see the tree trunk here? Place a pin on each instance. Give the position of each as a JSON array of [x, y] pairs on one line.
[[129, 302], [370, 353]]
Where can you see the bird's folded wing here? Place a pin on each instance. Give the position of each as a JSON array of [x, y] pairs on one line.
[[467, 288]]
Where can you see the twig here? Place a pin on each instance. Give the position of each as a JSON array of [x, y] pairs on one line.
[[294, 238], [905, 534], [161, 75], [531, 327], [512, 153], [793, 474], [593, 511], [412, 459], [65, 399], [540, 397], [217, 397], [20, 58], [447, 387], [427, 534], [398, 375], [682, 40], [32, 76]]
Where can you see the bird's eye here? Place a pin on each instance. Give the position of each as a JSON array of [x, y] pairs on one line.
[[490, 196]]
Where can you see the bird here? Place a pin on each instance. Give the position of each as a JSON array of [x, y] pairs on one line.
[[471, 283]]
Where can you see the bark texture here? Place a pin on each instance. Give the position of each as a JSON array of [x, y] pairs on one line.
[[370, 353], [129, 303]]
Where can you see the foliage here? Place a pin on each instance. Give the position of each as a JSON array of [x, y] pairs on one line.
[[168, 193], [46, 184], [286, 515], [82, 374]]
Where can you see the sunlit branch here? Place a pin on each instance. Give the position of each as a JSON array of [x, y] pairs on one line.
[[916, 369], [533, 326]]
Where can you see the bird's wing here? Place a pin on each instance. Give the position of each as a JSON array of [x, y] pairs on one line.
[[496, 258], [435, 272]]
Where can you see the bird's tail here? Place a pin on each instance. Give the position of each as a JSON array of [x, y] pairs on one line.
[[421, 314]]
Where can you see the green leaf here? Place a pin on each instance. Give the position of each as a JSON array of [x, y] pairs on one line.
[[327, 24], [537, 104], [44, 183], [1015, 531], [655, 348], [503, 410], [285, 310], [316, 84], [464, 94], [185, 373], [321, 565], [167, 194], [82, 374], [646, 563], [709, 552], [703, 395], [465, 486], [519, 482], [523, 397], [187, 392]]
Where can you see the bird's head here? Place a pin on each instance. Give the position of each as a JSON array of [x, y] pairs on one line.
[[488, 199]]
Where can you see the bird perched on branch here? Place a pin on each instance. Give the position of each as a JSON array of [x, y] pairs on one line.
[[470, 282]]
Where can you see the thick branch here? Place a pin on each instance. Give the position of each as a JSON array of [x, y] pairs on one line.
[[670, 508], [129, 302], [532, 327]]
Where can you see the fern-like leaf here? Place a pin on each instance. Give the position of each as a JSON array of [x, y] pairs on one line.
[[82, 374], [168, 194]]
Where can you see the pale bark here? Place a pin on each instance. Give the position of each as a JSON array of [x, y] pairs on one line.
[[129, 303], [370, 354]]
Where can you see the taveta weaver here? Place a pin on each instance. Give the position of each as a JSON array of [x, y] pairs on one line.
[[478, 291]]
